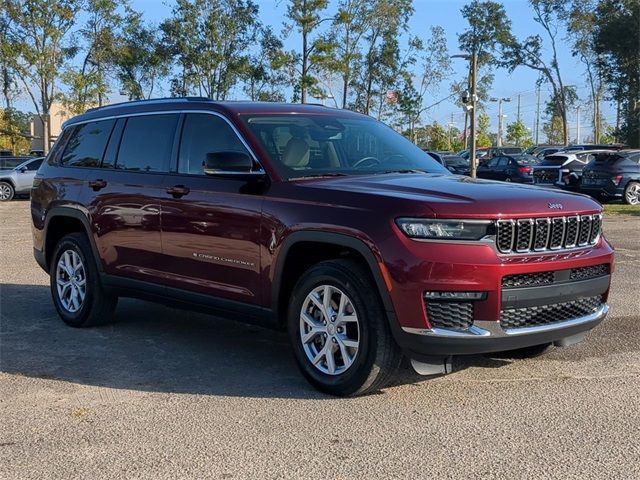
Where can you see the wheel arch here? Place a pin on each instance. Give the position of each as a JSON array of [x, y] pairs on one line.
[[337, 245], [62, 221]]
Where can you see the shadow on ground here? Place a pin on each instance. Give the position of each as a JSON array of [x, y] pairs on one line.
[[155, 348]]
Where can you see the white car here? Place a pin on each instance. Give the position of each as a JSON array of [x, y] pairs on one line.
[[18, 180]]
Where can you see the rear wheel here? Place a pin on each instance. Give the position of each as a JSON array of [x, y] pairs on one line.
[[339, 330], [632, 193], [75, 285], [6, 192]]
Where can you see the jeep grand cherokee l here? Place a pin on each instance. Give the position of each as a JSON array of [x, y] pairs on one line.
[[324, 222]]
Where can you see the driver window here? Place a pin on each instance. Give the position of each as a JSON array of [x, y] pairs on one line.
[[504, 161]]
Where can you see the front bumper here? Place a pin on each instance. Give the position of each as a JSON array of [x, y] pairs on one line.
[[489, 336]]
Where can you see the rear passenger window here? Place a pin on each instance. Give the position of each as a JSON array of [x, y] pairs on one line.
[[87, 144], [146, 143], [203, 133]]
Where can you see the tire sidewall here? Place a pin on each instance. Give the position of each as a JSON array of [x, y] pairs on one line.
[[72, 242], [11, 189], [626, 192], [357, 374]]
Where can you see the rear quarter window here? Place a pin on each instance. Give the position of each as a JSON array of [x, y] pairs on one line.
[[87, 144]]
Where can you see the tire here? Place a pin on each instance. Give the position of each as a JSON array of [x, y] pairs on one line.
[[632, 193], [508, 179], [7, 192], [96, 307], [376, 358]]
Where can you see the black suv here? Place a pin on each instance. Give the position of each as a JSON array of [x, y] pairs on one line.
[[614, 175]]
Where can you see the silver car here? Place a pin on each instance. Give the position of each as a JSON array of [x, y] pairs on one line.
[[18, 180]]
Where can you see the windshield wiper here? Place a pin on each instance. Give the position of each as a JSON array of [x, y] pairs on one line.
[[320, 175], [402, 170]]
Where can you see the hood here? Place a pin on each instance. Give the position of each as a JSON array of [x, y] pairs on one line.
[[455, 196]]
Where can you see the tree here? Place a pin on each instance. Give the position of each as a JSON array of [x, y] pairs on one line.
[[518, 134], [382, 63], [483, 137], [210, 41], [14, 128], [554, 128], [305, 16], [38, 45], [346, 34], [581, 24], [139, 58], [88, 84], [488, 31], [617, 36], [530, 53], [434, 66], [266, 73]]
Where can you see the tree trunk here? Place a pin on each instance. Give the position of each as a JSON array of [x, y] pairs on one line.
[[305, 61]]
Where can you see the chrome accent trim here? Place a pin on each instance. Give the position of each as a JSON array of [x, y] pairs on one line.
[[531, 223], [513, 234], [491, 328], [564, 231], [597, 315], [575, 239], [261, 171], [582, 219], [546, 242]]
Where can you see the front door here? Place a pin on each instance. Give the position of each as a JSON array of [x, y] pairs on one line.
[[211, 225]]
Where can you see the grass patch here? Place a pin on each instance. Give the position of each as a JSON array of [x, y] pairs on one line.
[[622, 209]]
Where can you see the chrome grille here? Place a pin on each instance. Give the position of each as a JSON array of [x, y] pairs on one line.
[[542, 234]]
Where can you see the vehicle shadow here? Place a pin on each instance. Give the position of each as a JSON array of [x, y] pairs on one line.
[[151, 347]]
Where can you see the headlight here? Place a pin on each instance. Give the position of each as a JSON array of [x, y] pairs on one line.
[[444, 229]]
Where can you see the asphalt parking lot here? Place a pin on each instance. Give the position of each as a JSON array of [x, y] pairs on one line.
[[170, 394]]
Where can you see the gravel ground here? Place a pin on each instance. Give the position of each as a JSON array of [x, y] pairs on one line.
[[170, 394]]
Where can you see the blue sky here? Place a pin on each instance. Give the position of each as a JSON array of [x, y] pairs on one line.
[[446, 13]]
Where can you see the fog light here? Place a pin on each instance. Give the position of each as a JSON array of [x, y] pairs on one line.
[[453, 296]]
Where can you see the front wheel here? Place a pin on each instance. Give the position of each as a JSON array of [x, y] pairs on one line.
[[339, 330], [75, 285]]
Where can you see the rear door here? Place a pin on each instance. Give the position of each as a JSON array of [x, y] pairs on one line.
[[125, 193], [211, 224], [24, 179], [486, 169]]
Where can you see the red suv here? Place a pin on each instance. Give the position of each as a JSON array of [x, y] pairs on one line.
[[321, 221]]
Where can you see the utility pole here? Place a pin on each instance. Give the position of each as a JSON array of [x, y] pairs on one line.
[[538, 116], [578, 124], [518, 108]]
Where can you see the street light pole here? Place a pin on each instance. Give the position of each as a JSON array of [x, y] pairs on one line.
[[472, 123], [500, 118]]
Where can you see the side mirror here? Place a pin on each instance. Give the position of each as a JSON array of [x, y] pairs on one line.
[[227, 162], [23, 169]]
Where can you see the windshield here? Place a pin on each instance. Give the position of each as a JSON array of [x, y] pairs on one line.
[[304, 145], [555, 160]]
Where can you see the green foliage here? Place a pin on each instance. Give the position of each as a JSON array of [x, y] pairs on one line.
[[483, 137], [14, 130], [139, 57], [554, 130], [518, 134], [617, 37], [210, 42], [489, 29]]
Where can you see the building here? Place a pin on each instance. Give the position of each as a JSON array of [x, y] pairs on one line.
[[58, 115]]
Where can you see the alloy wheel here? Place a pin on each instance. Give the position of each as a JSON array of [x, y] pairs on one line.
[[329, 330], [71, 281], [5, 192], [633, 194]]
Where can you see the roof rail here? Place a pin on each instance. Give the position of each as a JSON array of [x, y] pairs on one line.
[[150, 101]]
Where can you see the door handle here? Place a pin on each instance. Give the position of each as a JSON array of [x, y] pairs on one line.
[[97, 184], [178, 191]]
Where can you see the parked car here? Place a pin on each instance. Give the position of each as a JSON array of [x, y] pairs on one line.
[[324, 222], [613, 175], [18, 180], [563, 169], [547, 151], [453, 163], [508, 168], [8, 163], [592, 147]]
